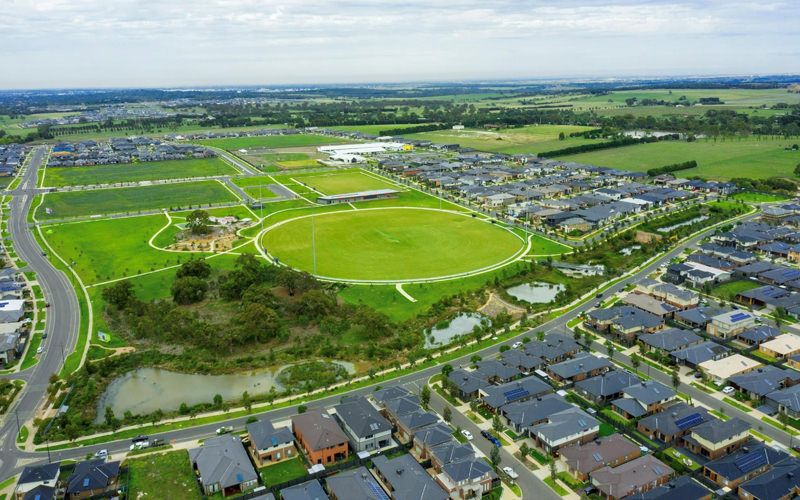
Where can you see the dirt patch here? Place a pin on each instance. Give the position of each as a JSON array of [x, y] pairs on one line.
[[645, 237], [220, 239], [495, 305]]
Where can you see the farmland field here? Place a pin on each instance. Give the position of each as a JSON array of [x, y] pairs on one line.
[[373, 129], [134, 172], [99, 257], [344, 182], [530, 139], [133, 199], [271, 141], [163, 475], [276, 160], [390, 244], [720, 159]]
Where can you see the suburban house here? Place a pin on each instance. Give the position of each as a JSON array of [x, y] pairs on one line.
[[93, 477], [730, 324], [758, 334], [581, 460], [673, 423], [269, 444], [310, 490], [683, 487], [522, 415], [625, 322], [495, 372], [722, 369], [9, 347], [428, 437], [649, 304], [637, 476], [780, 482], [554, 348], [320, 437], [41, 478], [752, 459], [781, 347], [11, 311], [668, 340], [495, 396], [693, 355], [223, 466], [367, 429], [564, 428], [451, 451], [762, 381], [409, 423], [468, 478], [642, 399], [467, 383], [669, 293], [522, 361], [405, 479], [714, 439], [605, 387], [582, 366], [356, 483], [785, 400]]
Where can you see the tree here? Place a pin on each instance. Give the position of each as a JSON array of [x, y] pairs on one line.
[[540, 336], [302, 409], [111, 420], [553, 470], [494, 457], [497, 424], [247, 402], [783, 418], [188, 290], [676, 379], [524, 449], [447, 369], [218, 401], [635, 361], [199, 268], [425, 396], [609, 349], [198, 222], [120, 294], [447, 414]]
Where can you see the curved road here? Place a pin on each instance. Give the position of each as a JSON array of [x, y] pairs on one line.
[[65, 312], [63, 320]]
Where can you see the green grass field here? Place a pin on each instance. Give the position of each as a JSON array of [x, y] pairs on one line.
[[162, 475], [391, 244], [729, 290], [720, 159], [134, 172], [133, 199], [282, 472], [271, 141], [530, 139], [281, 160], [372, 129], [344, 182], [759, 197], [111, 248]]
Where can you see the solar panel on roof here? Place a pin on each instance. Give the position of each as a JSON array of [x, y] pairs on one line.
[[377, 491], [658, 470], [582, 422], [597, 457], [739, 317], [516, 394], [751, 461], [689, 421]]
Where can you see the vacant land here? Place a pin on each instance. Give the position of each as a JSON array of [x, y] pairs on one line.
[[731, 289], [111, 248], [344, 182], [530, 139], [389, 244], [134, 172], [133, 199], [751, 197], [716, 159], [165, 475], [271, 141], [373, 129]]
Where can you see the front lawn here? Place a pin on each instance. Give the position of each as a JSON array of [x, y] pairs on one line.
[[542, 459], [555, 487], [737, 405], [570, 481], [283, 471], [165, 475]]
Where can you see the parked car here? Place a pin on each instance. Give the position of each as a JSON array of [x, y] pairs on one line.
[[599, 296], [225, 429], [491, 438], [467, 434], [698, 375], [39, 350], [510, 472], [140, 438], [101, 454], [728, 390], [516, 345], [44, 335]]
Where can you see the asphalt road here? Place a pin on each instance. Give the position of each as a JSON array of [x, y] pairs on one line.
[[61, 327], [13, 459]]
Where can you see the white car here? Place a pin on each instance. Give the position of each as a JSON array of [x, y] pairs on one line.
[[40, 350], [728, 390], [101, 454], [510, 472], [516, 345], [467, 434]]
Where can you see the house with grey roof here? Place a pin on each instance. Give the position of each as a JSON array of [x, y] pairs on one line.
[[752, 459], [580, 460], [43, 478], [564, 428], [674, 422], [642, 399], [467, 383], [714, 439], [395, 408], [381, 396], [669, 340], [683, 487], [637, 476], [428, 437], [625, 322], [649, 304], [270, 444], [693, 355], [780, 482], [320, 436], [356, 483], [468, 478], [522, 415], [495, 396], [367, 429], [496, 372], [758, 334], [553, 348], [223, 465], [405, 479], [696, 317], [785, 400], [605, 387], [522, 361], [94, 478], [582, 366], [310, 490], [764, 380], [410, 423], [451, 451]]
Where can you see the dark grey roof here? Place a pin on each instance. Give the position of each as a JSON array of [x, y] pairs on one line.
[[518, 357], [452, 451], [418, 419], [357, 483], [223, 460], [630, 406], [759, 333], [683, 487], [310, 490], [408, 479], [607, 384], [649, 392], [789, 397], [434, 434], [402, 406], [727, 466], [264, 435], [389, 393], [467, 382], [534, 410], [553, 346], [39, 473], [580, 364], [670, 339], [528, 387], [664, 421], [765, 380], [92, 475], [361, 417], [490, 368], [696, 354], [569, 422], [41, 492], [468, 469], [776, 483], [718, 431]]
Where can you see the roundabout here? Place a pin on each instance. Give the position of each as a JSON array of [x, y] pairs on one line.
[[391, 245]]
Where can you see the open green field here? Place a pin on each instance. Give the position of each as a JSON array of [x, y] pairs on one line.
[[730, 289], [256, 186], [134, 172], [372, 129], [271, 141], [277, 161], [133, 199], [162, 475], [390, 244], [720, 159], [344, 182], [106, 249], [751, 197], [530, 139]]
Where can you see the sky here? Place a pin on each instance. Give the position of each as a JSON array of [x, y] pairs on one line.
[[160, 43]]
